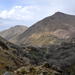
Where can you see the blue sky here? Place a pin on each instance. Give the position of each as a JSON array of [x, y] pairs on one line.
[[27, 12]]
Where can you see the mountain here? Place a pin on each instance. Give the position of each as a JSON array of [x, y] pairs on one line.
[[12, 32], [46, 48], [59, 26]]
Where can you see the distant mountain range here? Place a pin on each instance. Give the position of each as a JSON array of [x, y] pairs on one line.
[[59, 26], [13, 32], [50, 30]]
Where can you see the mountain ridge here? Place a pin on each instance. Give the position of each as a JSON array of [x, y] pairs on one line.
[[12, 32], [58, 22]]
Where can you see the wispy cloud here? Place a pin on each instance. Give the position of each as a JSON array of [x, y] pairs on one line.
[[26, 14], [19, 13]]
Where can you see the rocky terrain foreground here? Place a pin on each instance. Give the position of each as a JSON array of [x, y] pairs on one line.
[[49, 60]]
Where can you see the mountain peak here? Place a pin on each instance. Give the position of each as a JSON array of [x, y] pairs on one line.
[[17, 26], [59, 13]]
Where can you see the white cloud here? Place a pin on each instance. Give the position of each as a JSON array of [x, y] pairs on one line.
[[26, 15], [28, 12], [20, 13]]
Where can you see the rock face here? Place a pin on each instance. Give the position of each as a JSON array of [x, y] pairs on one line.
[[59, 25], [13, 32]]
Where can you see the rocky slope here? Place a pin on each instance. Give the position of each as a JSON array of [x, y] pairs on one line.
[[51, 59], [13, 32], [10, 56], [59, 25]]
